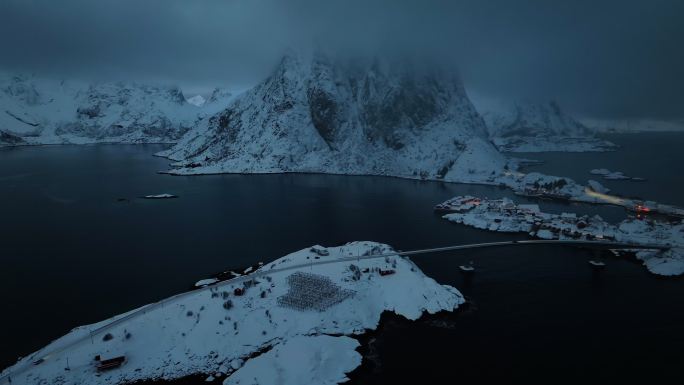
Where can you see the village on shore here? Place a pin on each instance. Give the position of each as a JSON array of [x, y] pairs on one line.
[[504, 215]]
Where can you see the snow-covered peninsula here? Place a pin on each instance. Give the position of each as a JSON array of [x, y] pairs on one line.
[[306, 305]]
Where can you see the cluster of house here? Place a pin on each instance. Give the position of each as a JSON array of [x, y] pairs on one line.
[[569, 225], [458, 204], [543, 192], [508, 216]]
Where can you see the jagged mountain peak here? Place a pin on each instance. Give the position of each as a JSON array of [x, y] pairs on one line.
[[218, 94], [318, 112], [383, 95]]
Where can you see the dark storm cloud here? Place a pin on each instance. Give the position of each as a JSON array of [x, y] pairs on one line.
[[600, 58], [610, 58]]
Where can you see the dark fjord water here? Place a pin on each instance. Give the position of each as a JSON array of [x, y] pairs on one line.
[[657, 156], [72, 254]]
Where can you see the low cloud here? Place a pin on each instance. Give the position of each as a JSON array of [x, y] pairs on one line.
[[598, 58]]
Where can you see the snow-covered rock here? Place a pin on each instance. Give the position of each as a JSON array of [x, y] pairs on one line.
[[668, 263], [294, 308], [598, 187], [599, 171], [318, 114], [206, 282]]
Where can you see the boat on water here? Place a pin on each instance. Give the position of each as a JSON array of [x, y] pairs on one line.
[[469, 268], [597, 264]]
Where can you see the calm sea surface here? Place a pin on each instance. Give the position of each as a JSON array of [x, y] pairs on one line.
[[72, 252]]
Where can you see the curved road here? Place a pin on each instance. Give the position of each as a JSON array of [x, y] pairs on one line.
[[42, 356]]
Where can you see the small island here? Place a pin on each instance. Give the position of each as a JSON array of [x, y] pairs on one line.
[[614, 175]]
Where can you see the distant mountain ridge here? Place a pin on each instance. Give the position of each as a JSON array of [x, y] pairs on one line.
[[43, 111], [320, 114], [531, 119], [537, 127]]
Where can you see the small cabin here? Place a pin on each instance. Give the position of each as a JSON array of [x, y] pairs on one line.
[[110, 363]]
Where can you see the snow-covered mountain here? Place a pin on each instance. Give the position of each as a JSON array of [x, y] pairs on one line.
[[219, 95], [533, 120], [536, 127], [318, 114], [43, 111]]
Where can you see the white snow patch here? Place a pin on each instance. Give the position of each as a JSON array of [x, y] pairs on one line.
[[206, 282], [320, 360], [669, 263], [197, 100]]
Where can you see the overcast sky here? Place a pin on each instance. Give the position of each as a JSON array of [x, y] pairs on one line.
[[612, 58]]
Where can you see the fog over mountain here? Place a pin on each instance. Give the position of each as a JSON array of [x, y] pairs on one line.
[[323, 114], [601, 59]]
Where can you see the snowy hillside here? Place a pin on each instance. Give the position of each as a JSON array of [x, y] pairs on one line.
[[293, 321], [316, 114], [42, 111], [531, 127]]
